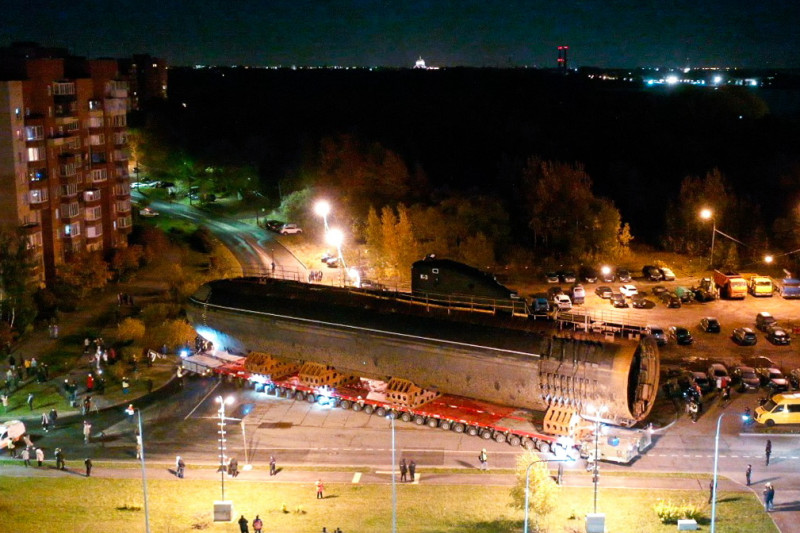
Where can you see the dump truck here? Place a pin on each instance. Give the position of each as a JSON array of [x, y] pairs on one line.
[[731, 285], [758, 285]]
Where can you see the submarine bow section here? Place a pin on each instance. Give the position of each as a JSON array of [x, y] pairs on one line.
[[507, 360]]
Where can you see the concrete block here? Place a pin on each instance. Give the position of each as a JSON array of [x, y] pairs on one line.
[[596, 523], [687, 525], [223, 511]]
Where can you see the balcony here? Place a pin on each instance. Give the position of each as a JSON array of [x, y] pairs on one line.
[[38, 197], [124, 224], [123, 206], [68, 211], [94, 230], [122, 190], [67, 171], [92, 195]]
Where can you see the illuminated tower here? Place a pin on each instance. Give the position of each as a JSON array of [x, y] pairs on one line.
[[562, 58]]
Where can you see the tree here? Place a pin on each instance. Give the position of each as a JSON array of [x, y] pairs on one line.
[[543, 491], [126, 261], [173, 333], [130, 330], [84, 273], [686, 231], [17, 282]]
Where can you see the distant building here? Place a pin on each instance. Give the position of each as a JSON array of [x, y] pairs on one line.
[[420, 63], [147, 77], [63, 153]]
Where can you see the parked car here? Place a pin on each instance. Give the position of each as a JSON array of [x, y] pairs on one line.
[[667, 274], [777, 335], [290, 229], [551, 277], [607, 274], [746, 378], [578, 294], [640, 302], [562, 301], [567, 276], [718, 373], [540, 305], [709, 324], [773, 379], [657, 332], [273, 225], [703, 382], [12, 430], [623, 275], [618, 300], [670, 300], [780, 409], [681, 335], [651, 273], [588, 274], [764, 320], [628, 290], [148, 212], [658, 290], [744, 337], [603, 292]]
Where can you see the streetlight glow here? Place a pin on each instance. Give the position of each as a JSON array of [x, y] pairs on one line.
[[606, 270], [768, 259], [334, 237], [706, 214], [130, 411], [322, 208]]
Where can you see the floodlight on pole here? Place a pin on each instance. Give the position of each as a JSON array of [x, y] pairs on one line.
[[708, 214], [335, 237], [528, 484], [222, 403], [140, 443], [768, 259], [714, 480], [597, 412], [322, 209]]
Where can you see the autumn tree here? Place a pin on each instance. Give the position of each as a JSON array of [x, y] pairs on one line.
[[543, 491], [85, 272], [130, 330], [172, 333], [17, 284]]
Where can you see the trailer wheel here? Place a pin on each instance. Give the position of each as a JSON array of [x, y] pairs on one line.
[[445, 424], [278, 391], [405, 417], [500, 437], [357, 406], [458, 428], [300, 396], [433, 422], [369, 409], [486, 434], [543, 446], [528, 444], [310, 398], [472, 431], [290, 393], [419, 420], [513, 440], [380, 411], [344, 404]]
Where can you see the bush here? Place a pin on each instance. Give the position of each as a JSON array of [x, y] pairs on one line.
[[669, 512]]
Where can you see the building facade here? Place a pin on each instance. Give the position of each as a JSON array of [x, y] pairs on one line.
[[64, 156]]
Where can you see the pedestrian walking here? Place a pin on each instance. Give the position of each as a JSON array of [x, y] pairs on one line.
[[257, 524], [403, 470], [747, 473], [694, 410], [87, 405], [243, 525], [272, 466], [88, 464], [45, 422], [769, 496], [320, 487], [90, 382], [711, 491], [125, 385], [768, 450], [87, 431], [483, 457], [39, 457], [29, 401], [412, 468], [61, 464], [180, 467], [26, 457], [53, 416]]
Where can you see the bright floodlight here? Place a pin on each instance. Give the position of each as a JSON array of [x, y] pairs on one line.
[[672, 79], [717, 79], [706, 214], [606, 270], [322, 208], [227, 401], [335, 237], [768, 259]]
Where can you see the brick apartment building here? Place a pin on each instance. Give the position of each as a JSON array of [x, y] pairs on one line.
[[63, 154]]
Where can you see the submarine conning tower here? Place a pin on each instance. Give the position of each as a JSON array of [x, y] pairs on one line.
[[508, 360]]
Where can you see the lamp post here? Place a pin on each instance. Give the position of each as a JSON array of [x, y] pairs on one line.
[[130, 410], [714, 480], [335, 237], [528, 485], [322, 208], [222, 402], [394, 484], [707, 214], [598, 411]]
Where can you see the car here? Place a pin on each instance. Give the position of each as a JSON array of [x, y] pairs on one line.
[[657, 332], [562, 301], [764, 320], [603, 292], [628, 290], [12, 430], [759, 361], [273, 225], [658, 290], [747, 378], [607, 274], [148, 212], [709, 324], [744, 337], [684, 294], [681, 335], [588, 274], [618, 300], [553, 291], [780, 409], [640, 302], [670, 300], [567, 276], [163, 184], [290, 229], [702, 380], [773, 379], [540, 304], [651, 273], [578, 294], [667, 274], [372, 285], [624, 275], [717, 372], [777, 335], [551, 277]]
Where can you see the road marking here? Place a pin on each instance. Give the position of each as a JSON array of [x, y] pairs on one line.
[[356, 477], [204, 399], [384, 471]]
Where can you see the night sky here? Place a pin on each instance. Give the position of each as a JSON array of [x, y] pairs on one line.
[[605, 33]]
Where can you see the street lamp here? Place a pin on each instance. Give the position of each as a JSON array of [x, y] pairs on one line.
[[322, 208], [222, 403], [714, 481], [129, 411], [768, 259], [598, 412], [707, 214], [335, 237], [528, 484], [391, 416]]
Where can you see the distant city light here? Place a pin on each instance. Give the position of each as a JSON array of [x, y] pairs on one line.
[[672, 79], [717, 79]]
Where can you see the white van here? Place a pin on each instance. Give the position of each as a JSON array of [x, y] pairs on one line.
[[11, 430], [578, 294]]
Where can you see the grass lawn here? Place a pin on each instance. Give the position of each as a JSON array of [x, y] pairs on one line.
[[96, 505]]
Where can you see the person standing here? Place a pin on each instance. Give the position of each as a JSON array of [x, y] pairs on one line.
[[233, 467], [484, 459], [4, 399], [257, 524], [403, 470], [29, 401], [87, 431], [88, 463], [12, 450], [45, 422], [710, 491], [243, 525], [39, 457], [180, 467], [89, 383], [769, 496], [26, 457], [61, 464], [412, 469], [272, 465], [768, 450], [53, 416], [747, 473], [320, 487]]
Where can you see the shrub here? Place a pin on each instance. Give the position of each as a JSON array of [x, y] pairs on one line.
[[669, 512]]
